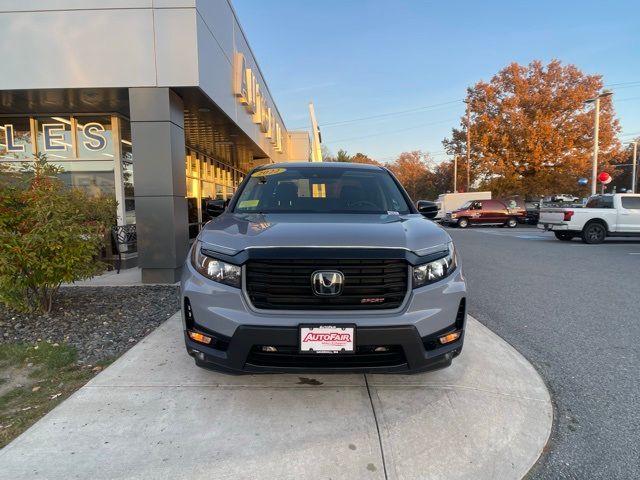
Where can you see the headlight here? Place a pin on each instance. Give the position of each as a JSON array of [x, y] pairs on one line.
[[215, 269], [454, 215], [433, 271]]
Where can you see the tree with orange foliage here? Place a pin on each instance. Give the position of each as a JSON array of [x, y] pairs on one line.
[[414, 171], [443, 181], [362, 158], [531, 132]]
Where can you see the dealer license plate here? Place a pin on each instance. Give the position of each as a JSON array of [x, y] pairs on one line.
[[327, 339]]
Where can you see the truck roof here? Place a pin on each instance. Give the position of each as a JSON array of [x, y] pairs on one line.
[[343, 165]]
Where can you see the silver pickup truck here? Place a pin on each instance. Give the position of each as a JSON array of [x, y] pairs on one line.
[[611, 215], [323, 267]]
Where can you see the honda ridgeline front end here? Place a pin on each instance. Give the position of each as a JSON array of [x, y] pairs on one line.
[[322, 268]]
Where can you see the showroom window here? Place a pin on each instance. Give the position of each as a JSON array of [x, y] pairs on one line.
[[94, 152], [207, 179]]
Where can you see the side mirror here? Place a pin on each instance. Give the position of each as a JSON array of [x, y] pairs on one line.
[[215, 207], [428, 209]]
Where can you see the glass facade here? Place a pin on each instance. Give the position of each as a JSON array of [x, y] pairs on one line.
[[207, 179], [96, 154]]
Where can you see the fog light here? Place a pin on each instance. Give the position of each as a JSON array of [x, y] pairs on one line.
[[381, 349], [451, 337], [196, 353], [269, 349], [199, 337]]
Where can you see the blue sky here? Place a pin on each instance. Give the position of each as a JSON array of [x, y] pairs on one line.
[[369, 58]]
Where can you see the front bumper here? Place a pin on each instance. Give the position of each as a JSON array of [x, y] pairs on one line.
[[407, 352], [411, 332]]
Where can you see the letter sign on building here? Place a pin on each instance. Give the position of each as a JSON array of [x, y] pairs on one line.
[[264, 116], [278, 138], [57, 137], [249, 94], [10, 140], [52, 133], [257, 115], [96, 141], [251, 90], [240, 79], [269, 122]]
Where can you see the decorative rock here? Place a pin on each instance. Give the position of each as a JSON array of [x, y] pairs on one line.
[[81, 313]]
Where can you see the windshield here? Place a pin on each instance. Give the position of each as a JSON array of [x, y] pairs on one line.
[[321, 190], [466, 205]]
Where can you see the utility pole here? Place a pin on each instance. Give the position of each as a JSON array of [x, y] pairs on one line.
[[634, 173], [455, 174], [468, 146], [316, 151], [596, 128]]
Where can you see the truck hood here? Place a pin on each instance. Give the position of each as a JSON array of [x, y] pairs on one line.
[[231, 233]]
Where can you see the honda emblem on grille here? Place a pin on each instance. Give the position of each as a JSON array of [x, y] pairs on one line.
[[327, 283]]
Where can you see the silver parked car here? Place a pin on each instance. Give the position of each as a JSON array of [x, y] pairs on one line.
[[325, 268]]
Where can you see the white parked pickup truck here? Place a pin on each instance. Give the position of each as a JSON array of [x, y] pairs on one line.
[[611, 215]]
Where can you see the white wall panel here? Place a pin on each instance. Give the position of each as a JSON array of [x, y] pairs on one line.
[[219, 18], [73, 49], [174, 3], [35, 5], [176, 47], [215, 71]]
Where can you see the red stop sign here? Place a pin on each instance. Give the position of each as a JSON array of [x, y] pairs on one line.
[[604, 177]]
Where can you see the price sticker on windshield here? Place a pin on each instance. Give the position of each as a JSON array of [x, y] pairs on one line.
[[269, 171]]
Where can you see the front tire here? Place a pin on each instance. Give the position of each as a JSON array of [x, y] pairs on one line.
[[463, 223], [512, 223], [594, 233], [564, 236]]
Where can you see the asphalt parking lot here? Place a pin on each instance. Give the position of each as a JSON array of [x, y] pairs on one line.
[[573, 310]]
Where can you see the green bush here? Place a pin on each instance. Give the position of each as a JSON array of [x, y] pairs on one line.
[[49, 234]]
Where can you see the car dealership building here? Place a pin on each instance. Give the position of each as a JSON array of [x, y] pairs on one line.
[[158, 102]]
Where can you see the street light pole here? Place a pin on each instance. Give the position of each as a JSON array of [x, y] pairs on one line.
[[468, 146], [634, 175], [596, 129], [455, 173]]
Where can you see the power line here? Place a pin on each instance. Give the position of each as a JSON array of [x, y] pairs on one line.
[[394, 157], [618, 100], [390, 131], [618, 85], [622, 83], [399, 112], [389, 114]]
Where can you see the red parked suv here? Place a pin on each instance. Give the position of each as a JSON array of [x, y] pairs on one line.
[[488, 212]]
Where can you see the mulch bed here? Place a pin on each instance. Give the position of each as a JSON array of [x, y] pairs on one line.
[[100, 322]]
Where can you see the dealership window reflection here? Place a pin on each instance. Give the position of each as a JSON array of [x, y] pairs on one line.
[[207, 179]]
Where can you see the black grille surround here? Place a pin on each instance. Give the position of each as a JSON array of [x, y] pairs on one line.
[[364, 356], [285, 284]]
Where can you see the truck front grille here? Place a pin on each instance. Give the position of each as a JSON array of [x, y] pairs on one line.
[[369, 284]]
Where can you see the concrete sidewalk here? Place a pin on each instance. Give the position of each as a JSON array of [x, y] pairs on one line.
[[130, 277], [153, 414], [126, 278]]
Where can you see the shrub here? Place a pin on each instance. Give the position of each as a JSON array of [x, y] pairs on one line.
[[49, 234]]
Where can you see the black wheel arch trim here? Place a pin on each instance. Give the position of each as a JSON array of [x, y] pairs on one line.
[[597, 220]]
